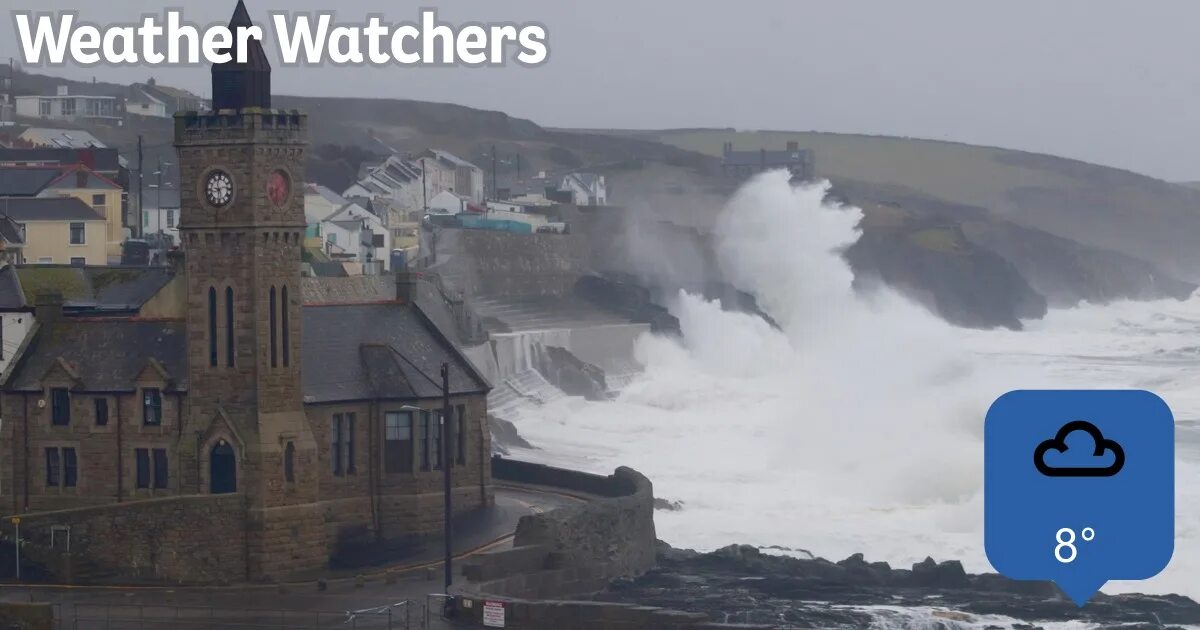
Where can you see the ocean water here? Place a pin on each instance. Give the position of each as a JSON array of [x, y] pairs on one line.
[[856, 425]]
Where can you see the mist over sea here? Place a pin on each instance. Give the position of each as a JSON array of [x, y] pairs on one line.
[[857, 424]]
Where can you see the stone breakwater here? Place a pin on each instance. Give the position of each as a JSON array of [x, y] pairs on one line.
[[740, 584]]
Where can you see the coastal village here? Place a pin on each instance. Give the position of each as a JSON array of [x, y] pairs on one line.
[[216, 372], [273, 361]]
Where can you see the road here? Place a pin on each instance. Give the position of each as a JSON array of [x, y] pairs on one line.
[[300, 605]]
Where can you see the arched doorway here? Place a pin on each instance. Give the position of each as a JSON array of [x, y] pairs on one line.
[[222, 469]]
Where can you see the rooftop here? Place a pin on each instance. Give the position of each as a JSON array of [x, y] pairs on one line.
[[25, 209], [84, 289]]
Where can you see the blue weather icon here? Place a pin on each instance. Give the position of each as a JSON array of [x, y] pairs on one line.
[[1056, 458]]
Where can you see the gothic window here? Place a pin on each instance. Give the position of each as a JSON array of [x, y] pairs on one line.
[[60, 407], [335, 444], [274, 328], [101, 412], [397, 439], [151, 406], [160, 468], [151, 465], [424, 440], [289, 463], [287, 352], [229, 347], [142, 458], [460, 433], [212, 327], [62, 469], [341, 444]]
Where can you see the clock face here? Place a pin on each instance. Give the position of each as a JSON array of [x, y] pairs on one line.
[[218, 189], [279, 187]]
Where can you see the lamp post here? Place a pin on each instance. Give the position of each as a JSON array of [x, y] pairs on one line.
[[446, 452]]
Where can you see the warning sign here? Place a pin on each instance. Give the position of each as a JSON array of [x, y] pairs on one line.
[[493, 614]]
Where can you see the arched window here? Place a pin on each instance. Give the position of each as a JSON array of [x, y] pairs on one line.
[[212, 326], [289, 463], [229, 340], [274, 329], [287, 351]]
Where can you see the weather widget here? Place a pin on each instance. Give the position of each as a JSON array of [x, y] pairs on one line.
[[1079, 487]]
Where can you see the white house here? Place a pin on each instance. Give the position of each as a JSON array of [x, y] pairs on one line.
[[66, 106], [142, 103], [447, 203], [446, 172], [347, 231], [587, 189], [395, 180], [160, 212]]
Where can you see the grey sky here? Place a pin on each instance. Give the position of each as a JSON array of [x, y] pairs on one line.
[[1107, 81]]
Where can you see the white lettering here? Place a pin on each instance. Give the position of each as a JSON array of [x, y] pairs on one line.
[[45, 37], [290, 41]]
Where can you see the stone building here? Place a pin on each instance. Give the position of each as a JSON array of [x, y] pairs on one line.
[[801, 163], [323, 421]]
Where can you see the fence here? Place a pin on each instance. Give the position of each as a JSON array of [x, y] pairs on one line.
[[397, 616]]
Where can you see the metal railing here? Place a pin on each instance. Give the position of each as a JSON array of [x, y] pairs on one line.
[[397, 616]]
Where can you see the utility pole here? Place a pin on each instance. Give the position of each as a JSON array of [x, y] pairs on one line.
[[494, 172], [141, 186], [424, 190], [446, 452], [518, 157]]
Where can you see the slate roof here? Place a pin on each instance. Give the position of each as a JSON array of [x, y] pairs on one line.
[[106, 355], [10, 232], [11, 296], [100, 159], [85, 290], [26, 181], [47, 209], [385, 351], [63, 138]]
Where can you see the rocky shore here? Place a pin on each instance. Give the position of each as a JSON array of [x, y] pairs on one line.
[[741, 584]]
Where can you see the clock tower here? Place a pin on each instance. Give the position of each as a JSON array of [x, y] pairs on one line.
[[242, 225]]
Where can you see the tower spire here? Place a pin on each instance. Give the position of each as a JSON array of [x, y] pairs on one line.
[[242, 85]]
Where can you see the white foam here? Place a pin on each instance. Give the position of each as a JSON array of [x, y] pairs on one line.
[[856, 426]]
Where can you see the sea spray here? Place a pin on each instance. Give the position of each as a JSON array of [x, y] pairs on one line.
[[855, 426]]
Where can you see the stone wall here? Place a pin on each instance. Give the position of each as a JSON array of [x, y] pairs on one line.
[[488, 262], [199, 539], [571, 550]]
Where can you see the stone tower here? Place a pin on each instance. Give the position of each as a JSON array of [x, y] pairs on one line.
[[242, 225]]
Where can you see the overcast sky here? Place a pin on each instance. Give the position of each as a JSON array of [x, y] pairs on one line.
[[1108, 81]]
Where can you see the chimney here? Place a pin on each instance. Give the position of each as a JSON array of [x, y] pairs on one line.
[[48, 308], [793, 146], [406, 286], [81, 178]]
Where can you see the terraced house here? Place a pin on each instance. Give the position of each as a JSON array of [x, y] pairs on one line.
[[235, 431]]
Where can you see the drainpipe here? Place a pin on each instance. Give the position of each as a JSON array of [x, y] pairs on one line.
[[373, 473], [120, 453], [25, 439], [179, 440]]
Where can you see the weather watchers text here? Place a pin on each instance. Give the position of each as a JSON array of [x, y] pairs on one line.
[[300, 39]]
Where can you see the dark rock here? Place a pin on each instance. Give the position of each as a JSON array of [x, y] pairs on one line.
[[568, 373], [949, 574], [505, 435], [670, 506]]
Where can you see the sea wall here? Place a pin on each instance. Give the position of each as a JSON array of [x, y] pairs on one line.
[[519, 265], [572, 552], [198, 539]]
